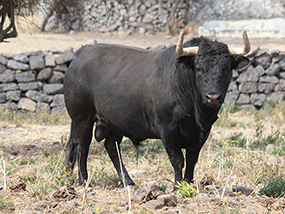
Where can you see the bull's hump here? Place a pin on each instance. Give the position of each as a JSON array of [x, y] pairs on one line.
[[117, 46]]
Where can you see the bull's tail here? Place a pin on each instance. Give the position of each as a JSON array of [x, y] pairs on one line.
[[71, 154]]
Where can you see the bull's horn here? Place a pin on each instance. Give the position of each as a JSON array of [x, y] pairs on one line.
[[241, 51], [191, 51]]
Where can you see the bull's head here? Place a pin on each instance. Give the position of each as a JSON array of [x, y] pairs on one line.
[[213, 63]]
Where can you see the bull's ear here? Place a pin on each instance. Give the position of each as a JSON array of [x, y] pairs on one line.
[[241, 61]]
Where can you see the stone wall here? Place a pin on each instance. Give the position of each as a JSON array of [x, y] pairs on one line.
[[33, 81], [151, 16], [263, 79]]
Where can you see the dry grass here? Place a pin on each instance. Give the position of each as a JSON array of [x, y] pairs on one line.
[[221, 163]]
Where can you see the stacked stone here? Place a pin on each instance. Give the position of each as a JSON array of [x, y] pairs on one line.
[[149, 16], [263, 79], [145, 17], [33, 81]]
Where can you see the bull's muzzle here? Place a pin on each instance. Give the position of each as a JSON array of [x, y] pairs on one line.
[[214, 100]]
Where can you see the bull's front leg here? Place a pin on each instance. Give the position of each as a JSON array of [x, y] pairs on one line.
[[192, 155], [177, 160]]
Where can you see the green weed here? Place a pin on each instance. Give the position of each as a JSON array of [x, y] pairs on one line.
[[186, 189], [274, 188]]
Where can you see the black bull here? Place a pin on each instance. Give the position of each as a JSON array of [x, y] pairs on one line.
[[144, 94]]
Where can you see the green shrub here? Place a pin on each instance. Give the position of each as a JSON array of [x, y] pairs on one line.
[[274, 188], [186, 189]]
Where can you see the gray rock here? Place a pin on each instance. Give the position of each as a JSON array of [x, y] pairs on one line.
[[8, 87], [260, 70], [3, 60], [243, 99], [44, 74], [248, 87], [280, 86], [37, 62], [13, 95], [147, 18], [58, 109], [56, 77], [276, 95], [235, 74], [277, 58], [26, 76], [32, 94], [67, 56], [232, 95], [42, 107], [23, 59], [3, 98], [260, 52], [28, 86], [55, 88], [58, 100], [45, 98], [9, 105], [250, 75], [273, 70], [7, 76], [13, 64], [27, 104], [264, 60], [282, 63], [168, 200], [265, 87], [257, 99], [50, 61], [91, 42], [281, 75], [61, 67], [2, 69], [232, 86], [275, 52], [203, 197], [268, 79], [153, 204]]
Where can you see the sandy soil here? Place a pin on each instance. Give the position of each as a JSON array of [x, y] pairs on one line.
[[43, 41]]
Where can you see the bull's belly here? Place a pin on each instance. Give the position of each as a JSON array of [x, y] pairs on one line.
[[134, 127]]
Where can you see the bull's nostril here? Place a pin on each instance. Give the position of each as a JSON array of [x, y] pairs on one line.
[[213, 98]]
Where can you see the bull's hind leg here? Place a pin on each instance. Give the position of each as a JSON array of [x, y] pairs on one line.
[[110, 145], [80, 140]]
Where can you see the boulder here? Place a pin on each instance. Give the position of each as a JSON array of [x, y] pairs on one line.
[[26, 76], [27, 104], [55, 88], [13, 64], [36, 62], [28, 86], [44, 74], [7, 76], [13, 95]]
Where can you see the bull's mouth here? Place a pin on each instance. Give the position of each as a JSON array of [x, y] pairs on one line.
[[214, 105]]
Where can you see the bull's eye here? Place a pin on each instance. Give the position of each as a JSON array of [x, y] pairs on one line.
[[227, 70], [199, 69]]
